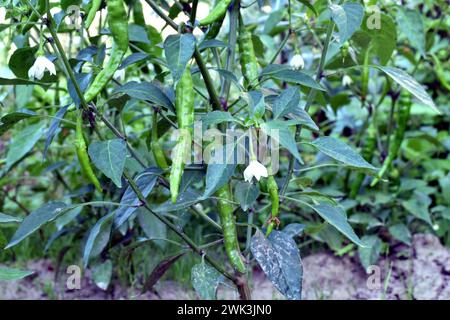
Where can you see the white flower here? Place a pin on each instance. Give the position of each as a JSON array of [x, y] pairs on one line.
[[40, 65], [255, 169], [266, 8], [119, 75], [346, 80], [297, 62]]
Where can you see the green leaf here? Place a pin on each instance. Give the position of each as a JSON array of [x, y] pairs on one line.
[[185, 199], [137, 33], [48, 212], [205, 280], [228, 75], [410, 84], [348, 19], [22, 142], [10, 119], [216, 117], [280, 260], [341, 152], [411, 24], [273, 20], [418, 206], [369, 255], [286, 102], [335, 216], [309, 6], [109, 157], [53, 129], [379, 33], [296, 77], [152, 227], [145, 182], [216, 176], [101, 274], [22, 60], [13, 274], [178, 50], [279, 131], [256, 103], [401, 232], [148, 92], [4, 218], [98, 237], [133, 58], [160, 270], [246, 193]]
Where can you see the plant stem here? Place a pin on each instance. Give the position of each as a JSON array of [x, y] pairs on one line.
[[309, 101]]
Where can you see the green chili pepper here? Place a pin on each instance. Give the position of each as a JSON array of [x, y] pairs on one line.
[[397, 138], [275, 200], [83, 157], [214, 28], [34, 17], [118, 26], [249, 64], [216, 13], [184, 105], [155, 145], [367, 153], [228, 222], [92, 12]]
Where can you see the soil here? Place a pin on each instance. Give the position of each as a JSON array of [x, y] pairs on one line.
[[421, 271]]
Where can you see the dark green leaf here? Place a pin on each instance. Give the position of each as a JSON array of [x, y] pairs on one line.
[[146, 91], [48, 212], [133, 58], [369, 255], [335, 216], [246, 193], [145, 182], [410, 84], [280, 260], [98, 237], [109, 157], [401, 232], [10, 119], [348, 19], [179, 50], [342, 152], [205, 280], [5, 218], [101, 274], [297, 77], [52, 130], [279, 131], [216, 176]]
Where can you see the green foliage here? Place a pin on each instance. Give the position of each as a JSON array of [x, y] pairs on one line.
[[234, 71]]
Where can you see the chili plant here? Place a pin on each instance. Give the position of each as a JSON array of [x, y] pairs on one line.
[[213, 133]]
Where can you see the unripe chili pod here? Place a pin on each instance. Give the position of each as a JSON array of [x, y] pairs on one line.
[[83, 157], [184, 105], [275, 201], [216, 13], [249, 63], [118, 26], [228, 222]]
